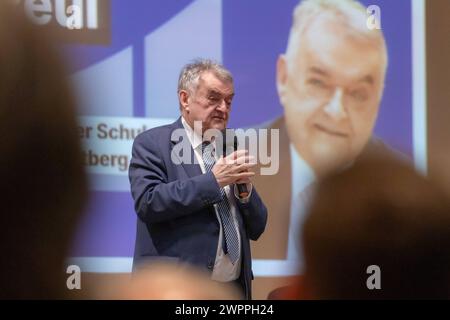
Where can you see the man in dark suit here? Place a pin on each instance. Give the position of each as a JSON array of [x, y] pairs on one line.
[[189, 208], [330, 83]]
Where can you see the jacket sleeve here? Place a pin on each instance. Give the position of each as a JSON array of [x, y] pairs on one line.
[[254, 213], [156, 199]]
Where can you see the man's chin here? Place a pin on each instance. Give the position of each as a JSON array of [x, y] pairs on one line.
[[219, 124]]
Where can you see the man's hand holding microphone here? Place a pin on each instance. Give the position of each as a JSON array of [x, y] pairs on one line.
[[235, 168]]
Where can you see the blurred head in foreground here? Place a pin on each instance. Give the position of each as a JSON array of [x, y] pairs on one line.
[[165, 281], [42, 181], [378, 214]]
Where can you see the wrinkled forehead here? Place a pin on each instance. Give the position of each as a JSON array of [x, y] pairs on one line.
[[210, 82], [329, 43]]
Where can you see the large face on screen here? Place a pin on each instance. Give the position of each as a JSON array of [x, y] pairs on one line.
[[330, 84], [210, 103]]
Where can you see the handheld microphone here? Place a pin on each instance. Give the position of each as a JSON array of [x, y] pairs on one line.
[[242, 187], [230, 144]]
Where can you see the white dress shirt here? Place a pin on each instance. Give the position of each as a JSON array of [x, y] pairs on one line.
[[302, 178], [224, 270]]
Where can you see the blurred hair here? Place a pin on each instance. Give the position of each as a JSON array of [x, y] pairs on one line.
[[190, 74], [350, 13], [43, 183], [378, 212], [167, 281]]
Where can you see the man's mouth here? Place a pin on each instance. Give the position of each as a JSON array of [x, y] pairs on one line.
[[332, 132]]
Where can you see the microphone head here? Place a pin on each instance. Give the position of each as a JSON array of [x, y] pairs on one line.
[[230, 143]]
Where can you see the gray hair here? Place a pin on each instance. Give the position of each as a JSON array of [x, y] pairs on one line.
[[190, 74], [350, 13]]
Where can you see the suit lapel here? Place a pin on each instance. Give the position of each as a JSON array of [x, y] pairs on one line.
[[192, 168]]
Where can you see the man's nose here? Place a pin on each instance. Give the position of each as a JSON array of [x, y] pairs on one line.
[[335, 107], [223, 107]]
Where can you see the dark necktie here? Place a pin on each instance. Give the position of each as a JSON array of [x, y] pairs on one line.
[[230, 235]]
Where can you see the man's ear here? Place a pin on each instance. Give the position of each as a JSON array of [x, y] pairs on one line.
[[282, 75], [183, 97]]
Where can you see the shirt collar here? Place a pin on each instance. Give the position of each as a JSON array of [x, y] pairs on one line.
[[194, 138]]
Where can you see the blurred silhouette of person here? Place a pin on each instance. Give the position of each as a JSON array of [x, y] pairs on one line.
[[168, 281], [380, 213], [43, 184]]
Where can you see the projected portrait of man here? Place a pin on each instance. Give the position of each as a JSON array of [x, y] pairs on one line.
[[330, 83]]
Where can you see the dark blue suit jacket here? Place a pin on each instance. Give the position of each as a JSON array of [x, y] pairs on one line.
[[174, 203]]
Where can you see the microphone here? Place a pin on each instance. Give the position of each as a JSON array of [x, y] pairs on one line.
[[242, 187], [230, 144]]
